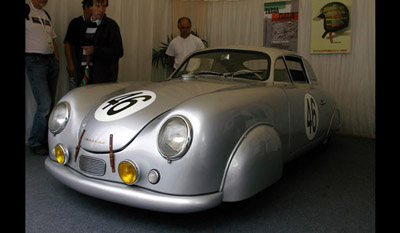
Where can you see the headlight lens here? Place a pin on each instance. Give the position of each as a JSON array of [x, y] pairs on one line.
[[62, 154], [59, 117], [128, 172], [174, 138]]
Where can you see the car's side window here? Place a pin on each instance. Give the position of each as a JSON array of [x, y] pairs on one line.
[[310, 72], [296, 68], [280, 72]]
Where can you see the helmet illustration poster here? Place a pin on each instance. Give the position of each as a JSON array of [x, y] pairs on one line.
[[331, 26], [336, 17]]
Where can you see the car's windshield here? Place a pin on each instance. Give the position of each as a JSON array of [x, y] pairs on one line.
[[227, 63]]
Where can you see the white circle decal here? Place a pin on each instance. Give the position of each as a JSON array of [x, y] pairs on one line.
[[124, 105], [311, 116]]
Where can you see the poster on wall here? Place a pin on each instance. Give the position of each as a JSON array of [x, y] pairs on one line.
[[281, 24], [330, 26]]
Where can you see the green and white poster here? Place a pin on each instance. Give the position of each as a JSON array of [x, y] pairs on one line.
[[281, 24]]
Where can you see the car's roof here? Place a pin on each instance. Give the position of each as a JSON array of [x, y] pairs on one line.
[[272, 52]]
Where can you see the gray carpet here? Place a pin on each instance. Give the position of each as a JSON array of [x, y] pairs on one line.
[[329, 190]]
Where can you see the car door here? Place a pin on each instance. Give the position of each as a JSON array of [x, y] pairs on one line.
[[305, 103]]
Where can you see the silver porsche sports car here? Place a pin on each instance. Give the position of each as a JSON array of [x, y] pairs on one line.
[[219, 129]]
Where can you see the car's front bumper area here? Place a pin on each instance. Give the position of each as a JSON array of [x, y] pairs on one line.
[[131, 195]]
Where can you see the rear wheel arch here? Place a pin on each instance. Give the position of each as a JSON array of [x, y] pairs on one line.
[[255, 163]]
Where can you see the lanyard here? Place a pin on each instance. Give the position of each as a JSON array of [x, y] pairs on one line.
[[47, 33], [40, 19]]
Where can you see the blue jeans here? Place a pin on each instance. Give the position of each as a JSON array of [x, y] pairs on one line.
[[42, 72]]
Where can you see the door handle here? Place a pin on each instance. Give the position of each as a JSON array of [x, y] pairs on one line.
[[322, 102]]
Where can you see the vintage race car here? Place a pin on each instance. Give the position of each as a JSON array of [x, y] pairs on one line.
[[219, 129]]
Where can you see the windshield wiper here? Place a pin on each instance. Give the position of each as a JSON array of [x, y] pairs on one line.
[[247, 72], [207, 72]]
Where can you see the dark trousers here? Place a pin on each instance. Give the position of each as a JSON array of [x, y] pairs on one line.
[[42, 72]]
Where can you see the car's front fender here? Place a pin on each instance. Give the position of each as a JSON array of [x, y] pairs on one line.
[[255, 163], [81, 101]]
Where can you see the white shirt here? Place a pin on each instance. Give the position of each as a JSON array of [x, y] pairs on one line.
[[39, 33], [180, 48]]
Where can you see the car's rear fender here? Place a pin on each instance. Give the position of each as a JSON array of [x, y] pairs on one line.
[[255, 163]]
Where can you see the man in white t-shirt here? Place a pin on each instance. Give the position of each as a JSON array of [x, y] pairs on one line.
[[42, 68], [183, 45]]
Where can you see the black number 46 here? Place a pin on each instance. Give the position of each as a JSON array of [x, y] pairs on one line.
[[126, 101], [311, 116]]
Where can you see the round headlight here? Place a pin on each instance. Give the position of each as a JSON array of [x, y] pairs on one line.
[[128, 172], [174, 138], [59, 117], [61, 153]]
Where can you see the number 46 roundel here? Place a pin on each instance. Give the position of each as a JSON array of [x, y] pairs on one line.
[[124, 105], [311, 116]]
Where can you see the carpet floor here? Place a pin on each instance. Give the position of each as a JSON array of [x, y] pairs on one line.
[[329, 190]]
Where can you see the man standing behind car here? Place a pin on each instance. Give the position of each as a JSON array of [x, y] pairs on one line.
[[183, 45], [72, 44], [42, 68], [101, 45]]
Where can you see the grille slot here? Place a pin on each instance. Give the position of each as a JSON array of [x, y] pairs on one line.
[[92, 165]]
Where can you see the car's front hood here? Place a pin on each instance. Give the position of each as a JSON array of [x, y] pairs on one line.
[[125, 112]]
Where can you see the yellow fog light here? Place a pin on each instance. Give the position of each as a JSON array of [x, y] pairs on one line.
[[61, 153], [128, 172]]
